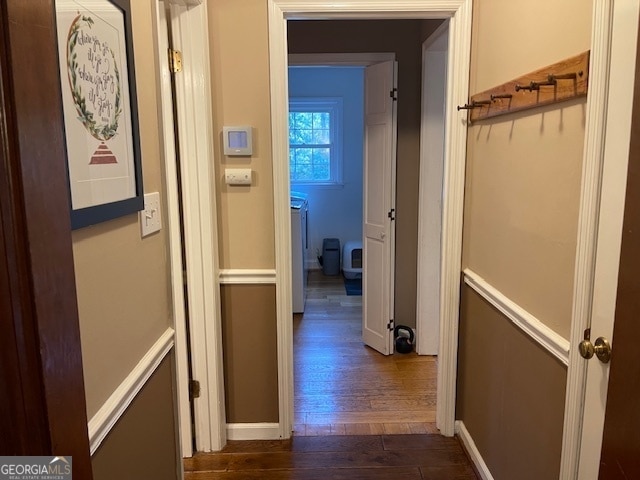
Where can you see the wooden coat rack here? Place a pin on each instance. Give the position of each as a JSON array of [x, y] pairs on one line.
[[562, 81]]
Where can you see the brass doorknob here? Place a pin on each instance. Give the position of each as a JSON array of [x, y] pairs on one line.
[[601, 349]]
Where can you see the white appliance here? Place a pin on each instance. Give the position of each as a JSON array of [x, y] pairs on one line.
[[299, 246]]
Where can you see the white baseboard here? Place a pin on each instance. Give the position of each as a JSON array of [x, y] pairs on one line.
[[253, 431], [103, 421], [472, 450]]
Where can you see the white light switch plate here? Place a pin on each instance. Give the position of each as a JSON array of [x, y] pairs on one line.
[[237, 176], [151, 217]]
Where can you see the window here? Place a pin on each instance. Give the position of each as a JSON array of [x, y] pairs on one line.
[[315, 140]]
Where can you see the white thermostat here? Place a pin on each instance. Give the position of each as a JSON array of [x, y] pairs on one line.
[[237, 141]]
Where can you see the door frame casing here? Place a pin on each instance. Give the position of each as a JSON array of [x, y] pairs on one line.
[[607, 135], [459, 13], [194, 120], [430, 194]]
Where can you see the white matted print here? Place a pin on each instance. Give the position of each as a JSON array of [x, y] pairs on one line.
[[99, 119]]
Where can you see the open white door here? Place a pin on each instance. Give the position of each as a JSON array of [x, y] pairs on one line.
[[379, 206], [432, 135]]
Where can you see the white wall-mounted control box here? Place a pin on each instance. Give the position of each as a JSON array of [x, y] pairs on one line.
[[237, 141], [237, 176]]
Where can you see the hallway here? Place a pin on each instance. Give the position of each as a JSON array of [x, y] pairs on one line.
[[345, 388]]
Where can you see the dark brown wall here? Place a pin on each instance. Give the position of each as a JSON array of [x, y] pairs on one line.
[[143, 442], [250, 353], [510, 394], [404, 38]]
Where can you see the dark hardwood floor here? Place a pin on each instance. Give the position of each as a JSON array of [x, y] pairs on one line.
[[351, 457]]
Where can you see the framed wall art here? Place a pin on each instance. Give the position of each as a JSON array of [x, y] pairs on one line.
[[99, 100]]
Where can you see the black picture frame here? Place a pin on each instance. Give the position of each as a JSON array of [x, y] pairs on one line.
[[73, 73]]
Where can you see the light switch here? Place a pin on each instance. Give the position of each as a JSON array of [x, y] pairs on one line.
[[150, 217], [237, 176]]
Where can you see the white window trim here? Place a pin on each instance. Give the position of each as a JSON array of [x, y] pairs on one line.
[[335, 106]]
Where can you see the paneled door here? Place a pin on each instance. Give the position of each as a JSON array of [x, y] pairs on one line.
[[379, 206]]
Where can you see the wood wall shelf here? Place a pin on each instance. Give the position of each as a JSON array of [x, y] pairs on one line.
[[562, 81]]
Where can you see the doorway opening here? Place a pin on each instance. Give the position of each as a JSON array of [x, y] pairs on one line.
[[459, 14], [341, 386]]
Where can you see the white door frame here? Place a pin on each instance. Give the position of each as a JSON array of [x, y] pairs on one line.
[[459, 13], [167, 138], [194, 120], [606, 155], [430, 193]]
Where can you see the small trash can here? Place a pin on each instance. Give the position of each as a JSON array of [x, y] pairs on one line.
[[331, 256]]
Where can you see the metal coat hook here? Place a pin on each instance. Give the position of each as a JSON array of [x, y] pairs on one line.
[[536, 85], [501, 95], [565, 76], [474, 104]]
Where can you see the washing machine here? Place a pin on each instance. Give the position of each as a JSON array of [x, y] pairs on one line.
[[299, 247]]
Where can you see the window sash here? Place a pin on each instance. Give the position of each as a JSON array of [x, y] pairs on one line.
[[303, 172]]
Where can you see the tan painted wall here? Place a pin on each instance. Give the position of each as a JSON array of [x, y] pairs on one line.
[[143, 442], [122, 280], [510, 394], [250, 353], [520, 225], [524, 170], [240, 90]]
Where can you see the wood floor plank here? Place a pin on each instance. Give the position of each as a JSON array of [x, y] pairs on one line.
[[340, 444], [396, 428], [459, 472], [371, 417], [419, 442], [344, 459], [375, 473]]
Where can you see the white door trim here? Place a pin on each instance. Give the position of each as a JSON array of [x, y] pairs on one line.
[[195, 126], [165, 112], [430, 189], [611, 86], [459, 13]]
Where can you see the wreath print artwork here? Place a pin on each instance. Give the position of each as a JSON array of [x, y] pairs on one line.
[[94, 80]]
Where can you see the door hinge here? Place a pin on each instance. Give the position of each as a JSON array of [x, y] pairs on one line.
[[394, 94], [194, 389], [392, 214], [175, 61], [390, 325]]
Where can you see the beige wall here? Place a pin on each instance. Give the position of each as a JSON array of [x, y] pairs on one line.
[[510, 394], [240, 90], [520, 225], [524, 170], [122, 279], [143, 442], [124, 300]]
